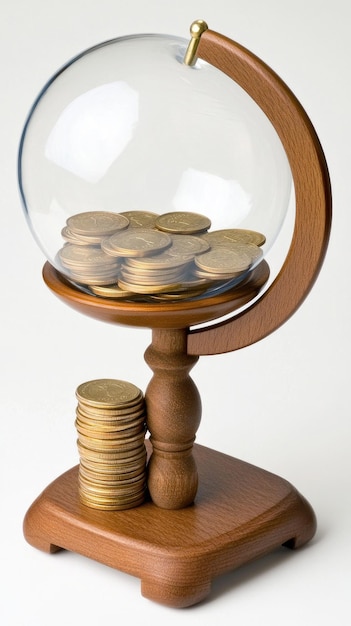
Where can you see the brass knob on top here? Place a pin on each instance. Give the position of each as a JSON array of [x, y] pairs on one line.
[[196, 29]]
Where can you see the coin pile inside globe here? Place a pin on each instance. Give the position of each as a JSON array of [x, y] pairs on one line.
[[145, 255], [111, 426]]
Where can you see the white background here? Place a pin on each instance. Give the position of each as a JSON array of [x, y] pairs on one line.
[[282, 404]]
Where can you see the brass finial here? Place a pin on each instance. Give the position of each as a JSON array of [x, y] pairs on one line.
[[196, 30]]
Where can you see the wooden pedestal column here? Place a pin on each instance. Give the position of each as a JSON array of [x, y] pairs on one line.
[[173, 417]]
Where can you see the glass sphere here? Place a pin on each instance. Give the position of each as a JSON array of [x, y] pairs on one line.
[[143, 177]]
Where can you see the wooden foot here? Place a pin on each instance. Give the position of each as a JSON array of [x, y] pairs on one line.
[[175, 595], [240, 513]]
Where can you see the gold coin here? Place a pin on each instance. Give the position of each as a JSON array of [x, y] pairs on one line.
[[71, 237], [116, 435], [231, 260], [122, 481], [211, 277], [114, 499], [185, 295], [108, 460], [114, 409], [120, 492], [234, 235], [183, 222], [128, 484], [86, 280], [149, 272], [109, 501], [76, 256], [140, 219], [188, 244], [111, 458], [106, 430], [125, 414], [81, 240], [95, 273], [109, 249], [168, 259], [113, 506], [85, 283], [110, 291], [148, 289], [113, 476], [153, 279], [137, 242], [112, 502], [122, 463], [118, 484], [114, 471], [162, 262], [114, 414], [97, 223], [109, 490], [158, 275], [120, 443], [112, 480], [112, 487], [107, 392], [105, 421]]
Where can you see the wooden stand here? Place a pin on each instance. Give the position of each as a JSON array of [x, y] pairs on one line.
[[240, 513], [208, 513]]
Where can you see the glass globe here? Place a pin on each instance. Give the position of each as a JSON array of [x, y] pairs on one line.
[[143, 177]]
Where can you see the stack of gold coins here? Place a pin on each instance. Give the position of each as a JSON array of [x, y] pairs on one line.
[[88, 264], [166, 272], [223, 263], [227, 237], [140, 219], [183, 223], [136, 242], [157, 260], [82, 256], [91, 227], [111, 426], [143, 256]]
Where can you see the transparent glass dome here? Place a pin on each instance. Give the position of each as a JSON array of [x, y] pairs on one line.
[[143, 177]]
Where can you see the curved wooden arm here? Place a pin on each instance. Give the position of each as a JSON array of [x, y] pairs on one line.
[[312, 192]]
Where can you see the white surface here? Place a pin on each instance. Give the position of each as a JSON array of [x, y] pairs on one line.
[[282, 404]]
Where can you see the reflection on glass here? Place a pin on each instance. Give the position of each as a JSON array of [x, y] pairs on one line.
[[93, 130]]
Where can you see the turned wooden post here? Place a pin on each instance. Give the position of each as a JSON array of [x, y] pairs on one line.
[[173, 417]]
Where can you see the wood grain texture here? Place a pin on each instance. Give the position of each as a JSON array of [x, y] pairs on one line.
[[173, 409], [240, 513], [313, 200]]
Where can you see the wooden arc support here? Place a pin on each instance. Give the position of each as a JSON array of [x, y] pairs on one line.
[[208, 513], [312, 198]]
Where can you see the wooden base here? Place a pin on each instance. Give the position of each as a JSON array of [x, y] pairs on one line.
[[240, 513]]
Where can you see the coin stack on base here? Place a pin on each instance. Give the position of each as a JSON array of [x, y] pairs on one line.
[[111, 426]]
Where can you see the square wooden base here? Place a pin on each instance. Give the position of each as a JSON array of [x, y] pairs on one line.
[[240, 513]]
